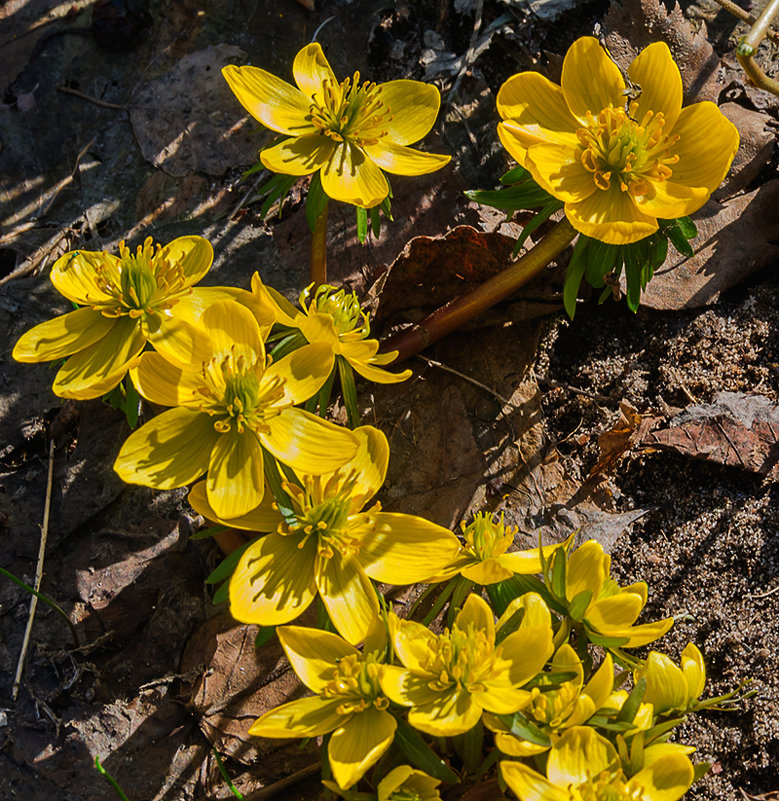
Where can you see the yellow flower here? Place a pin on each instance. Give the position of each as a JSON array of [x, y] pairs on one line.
[[348, 702], [403, 783], [561, 706], [668, 687], [127, 301], [583, 766], [333, 316], [329, 546], [485, 558], [607, 610], [618, 164], [450, 678], [350, 131], [229, 409]]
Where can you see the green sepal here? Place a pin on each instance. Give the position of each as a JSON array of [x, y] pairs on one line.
[[288, 344], [349, 391], [420, 755], [605, 642], [579, 604], [633, 702], [521, 727], [607, 724], [504, 592], [264, 635], [510, 626], [362, 224], [558, 573], [316, 201]]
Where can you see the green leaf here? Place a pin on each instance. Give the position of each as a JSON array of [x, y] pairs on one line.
[[349, 391], [605, 642], [273, 477], [510, 199], [633, 702], [375, 222], [265, 634], [362, 223], [579, 604], [601, 259], [515, 175], [504, 592], [633, 277], [558, 573], [522, 727], [316, 201], [205, 533], [542, 216], [510, 626], [573, 277], [276, 188], [679, 240], [420, 755], [222, 594], [700, 770], [226, 567], [688, 227], [386, 207]]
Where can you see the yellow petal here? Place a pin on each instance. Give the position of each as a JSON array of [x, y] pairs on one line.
[[667, 779], [501, 698], [274, 580], [404, 688], [529, 785], [235, 483], [669, 199], [166, 384], [275, 103], [284, 312], [308, 444], [303, 371], [614, 613], [359, 744], [192, 305], [169, 451], [177, 339], [233, 329], [708, 141], [591, 81], [403, 160], [656, 73], [348, 595], [369, 464], [512, 746], [600, 686], [371, 372], [558, 169], [404, 549], [351, 177], [646, 633], [62, 336], [476, 613], [579, 754], [193, 253], [311, 69], [300, 156], [610, 216], [305, 717], [527, 562], [490, 571], [314, 654], [567, 660], [694, 671], [452, 713], [414, 106], [527, 651], [262, 518], [101, 366], [666, 686], [74, 275]]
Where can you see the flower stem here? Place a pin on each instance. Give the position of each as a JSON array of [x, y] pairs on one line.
[[458, 311], [319, 249]]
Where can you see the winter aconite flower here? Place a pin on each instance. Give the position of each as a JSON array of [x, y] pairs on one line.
[[607, 610], [348, 702], [327, 545], [583, 766], [333, 316], [618, 162], [351, 131], [670, 688], [231, 408], [126, 301], [449, 679]]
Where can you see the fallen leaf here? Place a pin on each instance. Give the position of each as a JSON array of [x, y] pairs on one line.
[[187, 120], [735, 239], [618, 440], [772, 796], [736, 430]]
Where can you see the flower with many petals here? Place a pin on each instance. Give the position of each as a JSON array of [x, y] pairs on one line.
[[583, 766], [126, 301], [351, 132], [607, 610], [618, 166], [231, 408], [449, 679], [333, 316], [403, 783], [348, 702], [327, 545]]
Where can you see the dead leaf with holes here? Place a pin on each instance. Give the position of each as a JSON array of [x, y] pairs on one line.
[[629, 429]]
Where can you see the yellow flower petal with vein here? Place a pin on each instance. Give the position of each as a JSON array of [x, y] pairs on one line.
[[262, 518], [62, 336], [236, 482], [306, 717], [359, 744], [312, 654]]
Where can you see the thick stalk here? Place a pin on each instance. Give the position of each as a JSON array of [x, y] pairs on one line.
[[747, 47], [319, 249], [458, 311]]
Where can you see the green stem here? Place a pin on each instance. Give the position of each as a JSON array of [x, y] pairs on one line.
[[319, 249], [111, 780], [748, 45], [41, 597], [460, 310]]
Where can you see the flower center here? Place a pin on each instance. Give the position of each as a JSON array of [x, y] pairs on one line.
[[555, 706], [342, 306], [355, 679], [461, 657], [350, 112], [404, 795], [141, 283], [235, 395], [487, 537], [617, 148], [607, 786]]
